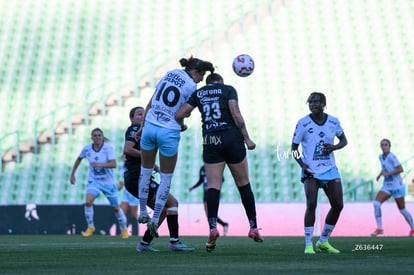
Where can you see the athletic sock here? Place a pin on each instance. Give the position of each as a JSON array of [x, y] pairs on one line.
[[143, 188], [162, 195], [308, 235], [377, 213], [147, 238], [122, 221], [326, 232], [89, 215], [247, 198], [172, 222], [220, 221], [213, 200]]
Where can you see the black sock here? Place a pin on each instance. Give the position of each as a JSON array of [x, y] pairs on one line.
[[221, 222], [147, 237], [249, 204], [213, 200], [172, 221]]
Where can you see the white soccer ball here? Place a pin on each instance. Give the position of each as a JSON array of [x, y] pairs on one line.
[[243, 65]]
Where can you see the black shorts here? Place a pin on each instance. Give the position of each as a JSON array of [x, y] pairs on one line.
[[227, 146], [131, 179]]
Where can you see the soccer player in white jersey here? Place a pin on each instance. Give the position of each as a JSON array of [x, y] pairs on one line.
[[101, 158], [162, 132], [392, 186], [316, 133]]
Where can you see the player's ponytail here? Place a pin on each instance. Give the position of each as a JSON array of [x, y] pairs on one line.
[[196, 64]]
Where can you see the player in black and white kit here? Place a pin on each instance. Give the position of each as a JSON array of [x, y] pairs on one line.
[[202, 181], [132, 151], [316, 133], [224, 138]]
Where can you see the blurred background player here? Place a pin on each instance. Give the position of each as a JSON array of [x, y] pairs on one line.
[[161, 132], [132, 151], [203, 181], [129, 203], [316, 132], [392, 186], [224, 139], [101, 158]]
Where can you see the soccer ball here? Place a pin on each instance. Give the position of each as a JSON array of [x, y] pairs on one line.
[[243, 65]]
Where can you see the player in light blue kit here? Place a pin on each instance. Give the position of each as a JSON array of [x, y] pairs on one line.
[[316, 132], [392, 186], [161, 132], [101, 158]]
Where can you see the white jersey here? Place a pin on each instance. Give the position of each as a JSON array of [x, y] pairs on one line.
[[106, 153], [312, 136], [387, 165], [171, 92]]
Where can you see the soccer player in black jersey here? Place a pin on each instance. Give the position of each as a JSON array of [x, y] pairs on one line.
[[202, 180], [132, 153], [224, 139]]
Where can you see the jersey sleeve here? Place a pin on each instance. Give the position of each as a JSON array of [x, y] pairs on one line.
[[130, 134], [395, 161], [111, 152], [232, 93], [298, 133], [339, 130], [192, 100], [83, 152]]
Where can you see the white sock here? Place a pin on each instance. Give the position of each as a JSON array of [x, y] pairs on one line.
[[407, 217], [162, 195], [326, 232], [308, 235], [377, 213], [144, 181], [89, 215], [122, 221]]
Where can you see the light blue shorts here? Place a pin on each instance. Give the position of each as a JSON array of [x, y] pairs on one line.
[[395, 192], [166, 140], [129, 198], [109, 190]]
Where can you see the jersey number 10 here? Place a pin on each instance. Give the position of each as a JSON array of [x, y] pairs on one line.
[[170, 95]]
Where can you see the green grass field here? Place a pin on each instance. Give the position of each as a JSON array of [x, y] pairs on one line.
[[61, 254]]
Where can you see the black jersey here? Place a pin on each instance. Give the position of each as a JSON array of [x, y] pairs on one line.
[[132, 162], [212, 102]]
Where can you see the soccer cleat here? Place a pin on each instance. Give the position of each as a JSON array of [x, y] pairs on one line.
[[180, 246], [144, 218], [254, 234], [153, 228], [146, 248], [124, 234], [212, 238], [89, 232], [225, 229], [377, 232], [411, 233], [309, 249], [325, 246]]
